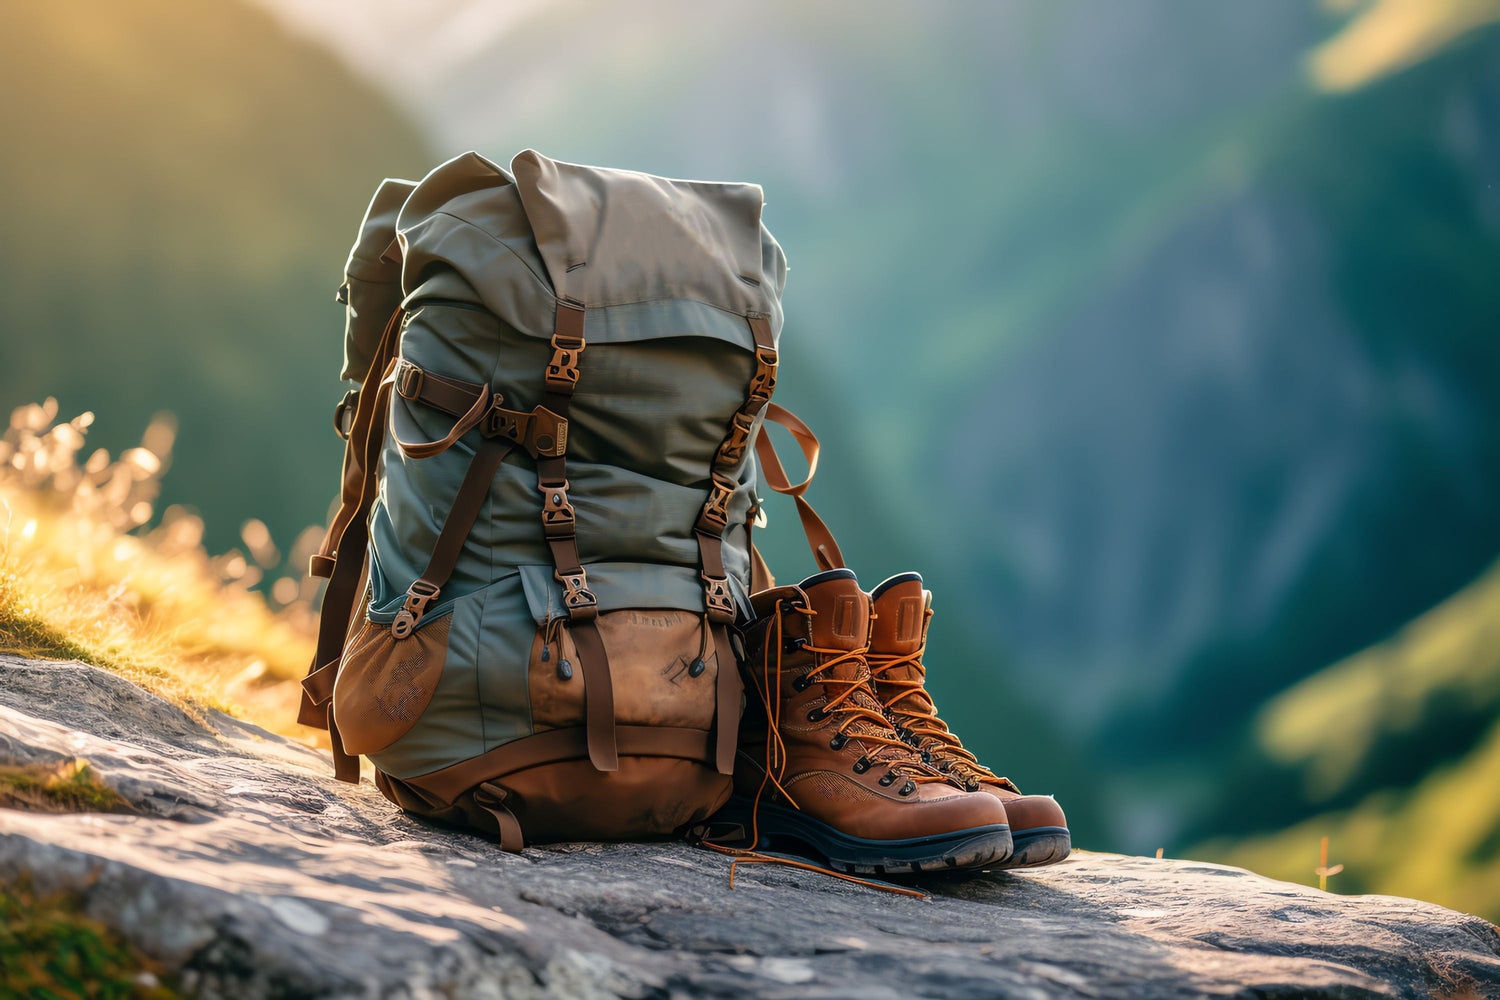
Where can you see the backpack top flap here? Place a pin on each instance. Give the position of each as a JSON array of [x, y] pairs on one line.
[[612, 237], [474, 231]]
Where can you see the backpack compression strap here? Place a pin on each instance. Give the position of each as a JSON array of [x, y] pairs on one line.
[[713, 520], [341, 558], [559, 526]]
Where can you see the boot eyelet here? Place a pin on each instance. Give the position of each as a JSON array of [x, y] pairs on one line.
[[793, 644], [838, 741], [862, 765], [907, 788], [816, 715], [801, 684], [888, 778]]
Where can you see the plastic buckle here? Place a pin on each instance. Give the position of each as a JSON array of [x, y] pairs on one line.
[[558, 518], [577, 598], [562, 370], [419, 596], [717, 600], [343, 414], [763, 382], [715, 515], [732, 450], [545, 434], [409, 380]]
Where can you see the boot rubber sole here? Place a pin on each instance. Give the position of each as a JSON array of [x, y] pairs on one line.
[[1040, 845], [976, 847]]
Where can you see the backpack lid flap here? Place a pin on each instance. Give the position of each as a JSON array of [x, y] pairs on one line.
[[610, 237]]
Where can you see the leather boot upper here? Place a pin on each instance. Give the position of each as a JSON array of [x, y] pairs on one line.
[[815, 737], [901, 610]]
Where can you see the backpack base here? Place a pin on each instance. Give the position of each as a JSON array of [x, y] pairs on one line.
[[664, 783]]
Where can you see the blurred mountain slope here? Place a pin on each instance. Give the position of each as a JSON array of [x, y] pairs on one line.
[[1393, 753], [185, 181]]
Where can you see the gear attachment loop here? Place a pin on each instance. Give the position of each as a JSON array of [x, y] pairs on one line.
[[419, 597]]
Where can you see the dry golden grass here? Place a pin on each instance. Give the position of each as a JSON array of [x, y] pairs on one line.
[[84, 575]]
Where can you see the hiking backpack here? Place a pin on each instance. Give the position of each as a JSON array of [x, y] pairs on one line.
[[543, 543]]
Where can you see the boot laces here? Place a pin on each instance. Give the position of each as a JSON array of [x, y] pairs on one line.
[[912, 709], [846, 704]]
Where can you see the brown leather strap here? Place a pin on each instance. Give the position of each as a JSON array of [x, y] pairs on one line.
[[467, 422], [462, 516], [729, 695], [541, 432], [341, 558], [356, 472], [491, 798], [554, 745], [713, 519], [559, 527], [825, 550]]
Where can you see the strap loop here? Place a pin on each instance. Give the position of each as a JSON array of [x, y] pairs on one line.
[[419, 596]]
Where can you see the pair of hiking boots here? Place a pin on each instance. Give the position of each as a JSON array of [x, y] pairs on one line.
[[841, 748]]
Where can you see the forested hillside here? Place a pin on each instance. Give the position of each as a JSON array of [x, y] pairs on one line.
[[183, 183]]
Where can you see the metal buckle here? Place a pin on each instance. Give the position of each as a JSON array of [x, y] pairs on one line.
[[558, 518], [714, 517], [577, 598], [732, 450], [419, 596], [343, 414], [717, 600], [409, 380], [562, 370]]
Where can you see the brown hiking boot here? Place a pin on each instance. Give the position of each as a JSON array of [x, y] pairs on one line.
[[818, 760], [898, 637]]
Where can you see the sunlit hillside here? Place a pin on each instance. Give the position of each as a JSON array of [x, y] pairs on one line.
[[82, 577], [1396, 751]]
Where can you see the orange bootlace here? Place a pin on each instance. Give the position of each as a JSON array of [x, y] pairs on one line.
[[919, 717]]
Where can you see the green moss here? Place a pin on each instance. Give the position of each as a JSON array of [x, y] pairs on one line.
[[51, 950], [71, 787]]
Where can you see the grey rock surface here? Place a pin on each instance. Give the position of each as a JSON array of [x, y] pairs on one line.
[[248, 871]]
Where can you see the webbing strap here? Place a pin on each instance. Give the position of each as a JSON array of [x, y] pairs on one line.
[[713, 519], [462, 517], [341, 558], [559, 527], [825, 550]]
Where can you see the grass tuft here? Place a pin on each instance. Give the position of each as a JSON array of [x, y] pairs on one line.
[[71, 786], [89, 572], [51, 950]]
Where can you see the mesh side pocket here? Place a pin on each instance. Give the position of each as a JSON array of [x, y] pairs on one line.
[[385, 685]]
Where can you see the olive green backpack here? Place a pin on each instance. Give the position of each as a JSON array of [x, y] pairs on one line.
[[543, 545]]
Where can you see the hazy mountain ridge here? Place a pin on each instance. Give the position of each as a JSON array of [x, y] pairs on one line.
[[189, 179]]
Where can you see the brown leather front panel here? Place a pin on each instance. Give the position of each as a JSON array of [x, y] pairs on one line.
[[384, 684], [570, 800], [651, 655]]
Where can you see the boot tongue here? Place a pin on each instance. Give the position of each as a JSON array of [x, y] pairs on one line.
[[900, 608], [842, 618], [900, 628]]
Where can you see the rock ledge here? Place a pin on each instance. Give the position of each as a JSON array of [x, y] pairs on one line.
[[251, 873]]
